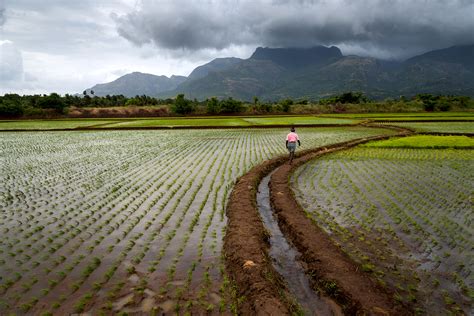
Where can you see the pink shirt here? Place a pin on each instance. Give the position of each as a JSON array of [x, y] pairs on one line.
[[292, 137]]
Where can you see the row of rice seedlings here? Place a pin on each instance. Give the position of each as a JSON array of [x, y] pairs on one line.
[[382, 180]]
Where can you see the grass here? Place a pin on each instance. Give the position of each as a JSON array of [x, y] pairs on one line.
[[425, 141]]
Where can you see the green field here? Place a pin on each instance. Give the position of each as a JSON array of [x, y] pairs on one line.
[[406, 116], [404, 214], [52, 124], [170, 122], [439, 127], [91, 217], [231, 121], [425, 141]]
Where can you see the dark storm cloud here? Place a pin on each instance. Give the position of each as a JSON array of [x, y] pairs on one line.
[[397, 26]]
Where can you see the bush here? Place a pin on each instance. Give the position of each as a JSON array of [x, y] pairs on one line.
[[347, 97], [213, 106], [182, 105], [286, 104], [231, 106], [428, 101], [53, 101], [10, 109]]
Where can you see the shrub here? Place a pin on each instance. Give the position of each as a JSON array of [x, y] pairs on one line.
[[182, 105]]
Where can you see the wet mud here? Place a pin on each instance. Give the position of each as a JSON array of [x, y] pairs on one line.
[[285, 261]]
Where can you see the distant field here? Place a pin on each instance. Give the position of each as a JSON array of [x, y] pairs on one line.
[[439, 127], [171, 122], [425, 141], [406, 116], [231, 121], [162, 122], [52, 124], [287, 120]]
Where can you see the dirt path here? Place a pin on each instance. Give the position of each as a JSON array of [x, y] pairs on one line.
[[246, 247]]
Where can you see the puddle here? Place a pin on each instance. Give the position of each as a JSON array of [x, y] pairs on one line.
[[284, 260]]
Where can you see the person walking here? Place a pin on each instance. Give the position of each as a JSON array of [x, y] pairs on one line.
[[291, 140]]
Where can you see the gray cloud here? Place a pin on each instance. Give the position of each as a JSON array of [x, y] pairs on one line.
[[11, 62], [3, 18], [384, 27]]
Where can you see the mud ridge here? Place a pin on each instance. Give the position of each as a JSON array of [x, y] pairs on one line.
[[246, 248], [246, 242], [332, 271]]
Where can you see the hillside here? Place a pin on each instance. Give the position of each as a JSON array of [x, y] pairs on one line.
[[137, 83], [314, 73]]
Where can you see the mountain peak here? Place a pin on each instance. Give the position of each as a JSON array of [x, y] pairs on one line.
[[298, 57], [461, 54], [216, 65]]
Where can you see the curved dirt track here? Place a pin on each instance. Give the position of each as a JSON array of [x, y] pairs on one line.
[[246, 247]]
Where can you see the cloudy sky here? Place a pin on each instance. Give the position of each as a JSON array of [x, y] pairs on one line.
[[66, 46]]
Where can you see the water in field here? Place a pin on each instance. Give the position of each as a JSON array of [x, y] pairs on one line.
[[404, 214], [284, 257], [87, 217]]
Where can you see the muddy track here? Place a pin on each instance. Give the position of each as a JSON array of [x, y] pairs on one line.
[[246, 247]]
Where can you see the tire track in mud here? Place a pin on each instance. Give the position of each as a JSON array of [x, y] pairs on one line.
[[261, 289]]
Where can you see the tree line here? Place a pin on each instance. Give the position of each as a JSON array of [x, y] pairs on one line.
[[55, 105]]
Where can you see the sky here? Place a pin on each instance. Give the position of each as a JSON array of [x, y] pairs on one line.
[[66, 46]]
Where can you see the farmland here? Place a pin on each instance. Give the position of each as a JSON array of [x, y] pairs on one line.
[[126, 220], [404, 214], [439, 127], [165, 122]]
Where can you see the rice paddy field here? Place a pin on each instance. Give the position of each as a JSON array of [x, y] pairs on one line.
[[133, 221], [404, 213], [439, 127], [166, 122]]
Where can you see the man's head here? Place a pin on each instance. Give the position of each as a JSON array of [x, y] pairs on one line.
[[292, 129]]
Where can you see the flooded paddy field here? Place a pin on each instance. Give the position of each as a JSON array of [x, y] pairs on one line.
[[404, 214], [126, 220]]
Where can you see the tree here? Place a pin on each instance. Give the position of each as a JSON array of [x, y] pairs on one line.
[[231, 106], [182, 105], [10, 108], [286, 104], [428, 101], [213, 106], [53, 101]]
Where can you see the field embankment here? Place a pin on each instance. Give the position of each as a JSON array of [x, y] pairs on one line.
[[245, 249]]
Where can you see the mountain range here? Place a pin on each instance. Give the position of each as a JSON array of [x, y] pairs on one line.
[[312, 73]]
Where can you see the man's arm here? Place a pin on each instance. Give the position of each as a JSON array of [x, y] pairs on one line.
[[286, 144], [299, 143]]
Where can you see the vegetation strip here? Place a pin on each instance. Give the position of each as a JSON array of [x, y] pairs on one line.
[[246, 242], [177, 127], [332, 270]]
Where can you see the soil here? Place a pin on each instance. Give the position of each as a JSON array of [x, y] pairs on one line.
[[246, 247]]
